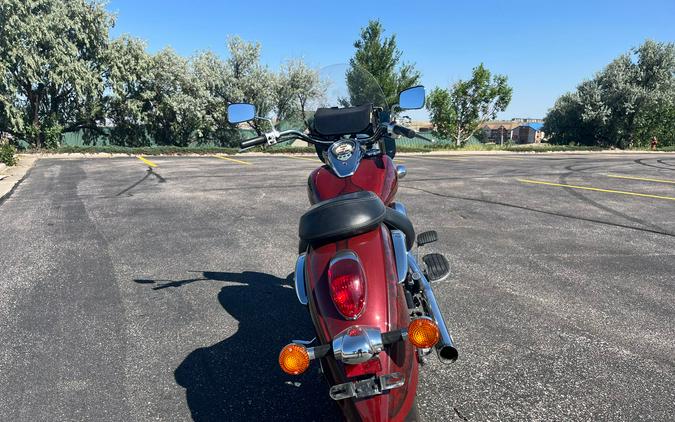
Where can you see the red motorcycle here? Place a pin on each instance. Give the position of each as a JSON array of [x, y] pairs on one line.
[[371, 303]]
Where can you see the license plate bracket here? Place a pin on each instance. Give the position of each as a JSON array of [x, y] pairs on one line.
[[367, 388]]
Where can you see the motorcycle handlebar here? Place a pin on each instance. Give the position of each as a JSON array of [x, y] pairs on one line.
[[294, 134], [275, 137], [404, 131], [258, 140], [407, 132], [425, 138]]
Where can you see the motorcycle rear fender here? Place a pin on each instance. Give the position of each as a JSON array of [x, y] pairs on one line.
[[385, 309]]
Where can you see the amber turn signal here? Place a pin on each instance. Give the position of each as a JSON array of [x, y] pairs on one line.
[[423, 333], [294, 359]]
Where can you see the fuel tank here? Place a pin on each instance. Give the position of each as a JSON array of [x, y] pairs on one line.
[[376, 174]]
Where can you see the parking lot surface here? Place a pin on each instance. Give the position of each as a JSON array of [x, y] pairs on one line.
[[128, 294]]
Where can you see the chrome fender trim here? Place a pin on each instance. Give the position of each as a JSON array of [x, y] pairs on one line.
[[401, 171], [299, 279], [400, 254]]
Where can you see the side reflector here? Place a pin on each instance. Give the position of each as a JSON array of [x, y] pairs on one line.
[[423, 333], [294, 359]]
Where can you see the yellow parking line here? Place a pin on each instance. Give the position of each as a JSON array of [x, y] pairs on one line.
[[314, 160], [233, 160], [647, 179], [621, 192], [148, 162]]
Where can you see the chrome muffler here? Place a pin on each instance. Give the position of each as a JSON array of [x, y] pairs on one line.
[[445, 348]]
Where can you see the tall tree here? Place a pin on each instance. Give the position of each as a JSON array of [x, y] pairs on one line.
[[294, 86], [624, 105], [129, 100], [469, 104], [176, 106], [379, 56], [247, 79], [441, 112], [52, 56], [211, 83]]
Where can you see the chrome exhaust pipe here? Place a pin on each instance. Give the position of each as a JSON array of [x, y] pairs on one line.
[[445, 348]]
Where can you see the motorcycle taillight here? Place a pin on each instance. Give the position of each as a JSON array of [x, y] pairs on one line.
[[347, 285]]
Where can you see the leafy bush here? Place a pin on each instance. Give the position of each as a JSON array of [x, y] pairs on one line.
[[8, 154]]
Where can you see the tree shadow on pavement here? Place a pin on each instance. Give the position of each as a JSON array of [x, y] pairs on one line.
[[239, 378], [148, 173]]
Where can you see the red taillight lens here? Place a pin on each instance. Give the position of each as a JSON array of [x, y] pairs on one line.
[[347, 286]]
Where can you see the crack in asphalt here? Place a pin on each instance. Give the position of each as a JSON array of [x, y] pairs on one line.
[[459, 414], [520, 207]]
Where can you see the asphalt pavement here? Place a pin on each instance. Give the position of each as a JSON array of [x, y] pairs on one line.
[[136, 295]]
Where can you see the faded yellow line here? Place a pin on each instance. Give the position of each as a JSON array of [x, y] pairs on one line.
[[620, 192], [647, 179], [148, 162], [233, 160], [314, 160]]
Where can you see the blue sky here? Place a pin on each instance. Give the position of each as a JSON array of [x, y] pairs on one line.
[[545, 47]]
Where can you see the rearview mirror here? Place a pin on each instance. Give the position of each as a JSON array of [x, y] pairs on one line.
[[240, 112], [411, 98]]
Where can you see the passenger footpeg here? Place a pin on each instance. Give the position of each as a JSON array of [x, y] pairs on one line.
[[438, 267], [427, 237]]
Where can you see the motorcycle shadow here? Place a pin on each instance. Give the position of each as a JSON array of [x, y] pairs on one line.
[[239, 377]]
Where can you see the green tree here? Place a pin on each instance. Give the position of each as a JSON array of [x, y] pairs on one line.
[[380, 57], [51, 59], [294, 86], [624, 105], [460, 111], [247, 79], [129, 100], [441, 112], [176, 108], [211, 80]]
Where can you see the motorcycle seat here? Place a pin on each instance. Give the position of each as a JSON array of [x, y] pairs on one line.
[[350, 215]]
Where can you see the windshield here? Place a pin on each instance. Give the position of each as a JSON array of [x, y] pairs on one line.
[[349, 86], [338, 85]]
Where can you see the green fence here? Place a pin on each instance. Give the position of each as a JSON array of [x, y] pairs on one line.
[[77, 139]]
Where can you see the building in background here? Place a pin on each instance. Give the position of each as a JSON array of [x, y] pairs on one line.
[[499, 131], [518, 130], [528, 133]]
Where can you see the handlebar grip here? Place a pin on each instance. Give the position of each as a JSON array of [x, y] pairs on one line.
[[258, 140], [430, 140], [404, 131]]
